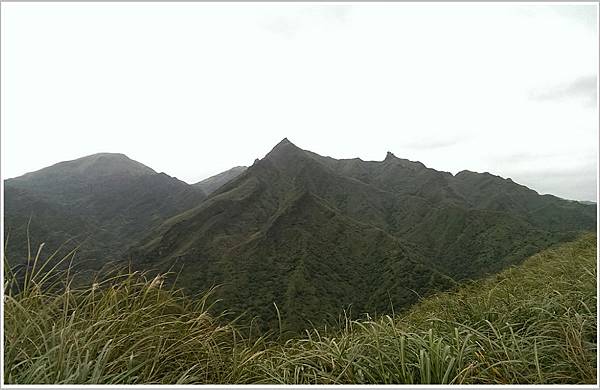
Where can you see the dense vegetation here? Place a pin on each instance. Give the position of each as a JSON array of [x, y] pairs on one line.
[[311, 233], [101, 204], [314, 234], [533, 323]]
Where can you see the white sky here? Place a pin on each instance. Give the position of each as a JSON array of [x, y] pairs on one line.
[[193, 89]]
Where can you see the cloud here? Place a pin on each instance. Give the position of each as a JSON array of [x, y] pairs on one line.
[[577, 181], [285, 26], [433, 143], [335, 12], [582, 14], [576, 184], [583, 88], [319, 75], [300, 19]]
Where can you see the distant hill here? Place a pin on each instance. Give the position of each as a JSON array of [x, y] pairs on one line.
[[316, 234], [213, 183], [587, 202], [312, 234], [104, 202]]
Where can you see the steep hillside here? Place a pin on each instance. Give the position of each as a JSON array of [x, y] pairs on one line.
[[315, 235], [104, 202], [535, 323], [312, 234]]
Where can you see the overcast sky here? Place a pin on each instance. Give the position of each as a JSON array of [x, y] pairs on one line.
[[193, 89]]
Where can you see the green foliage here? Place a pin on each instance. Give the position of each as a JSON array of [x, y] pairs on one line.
[[534, 323], [313, 234], [101, 204], [124, 329], [317, 235]]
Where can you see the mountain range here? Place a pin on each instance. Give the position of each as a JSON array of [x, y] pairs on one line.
[[312, 234], [101, 204]]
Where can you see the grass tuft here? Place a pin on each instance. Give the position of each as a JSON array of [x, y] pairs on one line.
[[535, 323]]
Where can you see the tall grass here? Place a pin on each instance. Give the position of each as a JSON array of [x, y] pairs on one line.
[[535, 323], [126, 329]]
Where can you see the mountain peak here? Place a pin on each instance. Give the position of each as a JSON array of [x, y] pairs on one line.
[[107, 154], [390, 156], [108, 164], [284, 142], [284, 147], [92, 166]]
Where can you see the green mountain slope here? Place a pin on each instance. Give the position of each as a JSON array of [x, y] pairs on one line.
[[104, 203], [314, 234], [535, 323]]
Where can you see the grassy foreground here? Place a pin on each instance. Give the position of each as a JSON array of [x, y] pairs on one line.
[[535, 323]]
